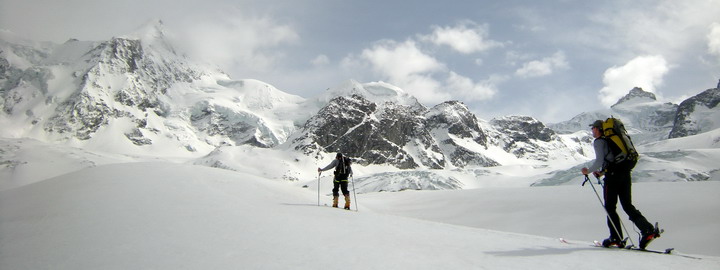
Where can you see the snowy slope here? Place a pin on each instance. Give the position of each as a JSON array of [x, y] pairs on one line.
[[174, 216]]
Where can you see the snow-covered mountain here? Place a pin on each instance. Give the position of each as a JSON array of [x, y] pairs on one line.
[[139, 95], [126, 154], [646, 119], [691, 153], [385, 129]]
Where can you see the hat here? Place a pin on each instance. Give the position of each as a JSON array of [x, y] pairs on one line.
[[598, 124]]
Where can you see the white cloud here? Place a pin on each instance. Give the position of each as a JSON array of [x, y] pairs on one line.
[[425, 88], [320, 60], [400, 60], [466, 37], [665, 27], [469, 90], [546, 66], [714, 39], [646, 72], [408, 67], [405, 65], [239, 42]]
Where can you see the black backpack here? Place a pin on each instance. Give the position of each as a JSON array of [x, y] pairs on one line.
[[342, 170]]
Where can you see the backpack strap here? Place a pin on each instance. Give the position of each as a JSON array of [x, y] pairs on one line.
[[612, 148]]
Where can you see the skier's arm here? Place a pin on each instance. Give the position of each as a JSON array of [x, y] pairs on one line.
[[600, 153], [333, 164]]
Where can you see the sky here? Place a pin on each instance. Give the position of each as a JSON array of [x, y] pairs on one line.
[[548, 59]]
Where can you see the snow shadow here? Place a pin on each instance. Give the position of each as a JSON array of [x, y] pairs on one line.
[[535, 251]]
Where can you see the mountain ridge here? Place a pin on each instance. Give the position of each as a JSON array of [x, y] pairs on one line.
[[142, 95]]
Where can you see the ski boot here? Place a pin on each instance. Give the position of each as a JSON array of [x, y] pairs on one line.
[[613, 242], [347, 202], [650, 235], [335, 201]]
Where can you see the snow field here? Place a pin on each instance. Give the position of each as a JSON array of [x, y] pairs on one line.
[[175, 216]]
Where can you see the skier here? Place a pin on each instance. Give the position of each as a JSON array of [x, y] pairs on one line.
[[342, 172], [617, 185]]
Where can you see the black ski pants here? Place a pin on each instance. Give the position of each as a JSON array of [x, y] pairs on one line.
[[618, 185], [342, 185]]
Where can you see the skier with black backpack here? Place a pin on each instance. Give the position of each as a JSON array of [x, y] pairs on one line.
[[615, 157], [342, 172]]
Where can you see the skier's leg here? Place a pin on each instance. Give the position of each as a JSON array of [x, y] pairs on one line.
[[625, 195], [611, 199], [336, 195], [346, 193]]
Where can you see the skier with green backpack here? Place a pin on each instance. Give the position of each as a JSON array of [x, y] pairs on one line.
[[615, 157]]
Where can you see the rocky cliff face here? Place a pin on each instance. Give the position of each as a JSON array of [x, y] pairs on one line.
[[697, 114], [523, 136], [353, 125], [459, 135], [444, 137]]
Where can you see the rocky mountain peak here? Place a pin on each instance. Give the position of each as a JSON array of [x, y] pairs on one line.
[[457, 119], [636, 95], [697, 114], [376, 92], [524, 128]]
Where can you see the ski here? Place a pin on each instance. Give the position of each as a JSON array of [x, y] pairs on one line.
[[631, 247], [668, 251]]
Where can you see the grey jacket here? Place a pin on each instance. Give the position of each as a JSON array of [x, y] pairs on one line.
[[334, 164], [602, 155]]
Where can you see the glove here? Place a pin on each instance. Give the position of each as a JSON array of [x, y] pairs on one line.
[[597, 174]]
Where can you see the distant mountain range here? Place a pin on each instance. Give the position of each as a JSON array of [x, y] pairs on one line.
[[138, 95]]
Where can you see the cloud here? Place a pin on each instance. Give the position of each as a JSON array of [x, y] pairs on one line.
[[320, 60], [544, 67], [406, 66], [400, 60], [670, 28], [466, 37], [470, 91], [239, 42], [646, 72], [714, 39]]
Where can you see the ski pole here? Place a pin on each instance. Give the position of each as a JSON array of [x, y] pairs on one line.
[[352, 180], [587, 179], [319, 173], [622, 224]]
